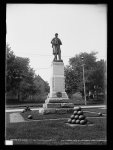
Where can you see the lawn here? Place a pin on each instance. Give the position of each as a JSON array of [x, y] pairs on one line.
[[56, 131], [96, 110], [36, 116], [24, 105]]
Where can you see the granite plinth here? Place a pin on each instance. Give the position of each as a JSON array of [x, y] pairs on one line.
[[57, 100], [58, 105], [56, 110]]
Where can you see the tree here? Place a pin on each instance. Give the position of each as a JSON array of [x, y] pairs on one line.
[[96, 77], [17, 68], [71, 80], [94, 73], [21, 79], [47, 88], [10, 58], [27, 85], [19, 75], [41, 84]]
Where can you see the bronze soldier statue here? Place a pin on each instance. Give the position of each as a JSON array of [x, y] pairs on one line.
[[56, 42]]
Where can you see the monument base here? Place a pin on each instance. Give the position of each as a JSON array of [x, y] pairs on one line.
[[57, 105], [57, 101], [45, 111], [53, 95]]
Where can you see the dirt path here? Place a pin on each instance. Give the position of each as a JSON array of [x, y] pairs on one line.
[[16, 117]]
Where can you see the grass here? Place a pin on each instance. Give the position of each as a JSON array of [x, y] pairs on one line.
[[61, 142], [57, 130], [7, 119], [24, 105], [96, 110], [36, 116]]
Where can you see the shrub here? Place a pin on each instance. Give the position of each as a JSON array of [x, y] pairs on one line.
[[77, 96]]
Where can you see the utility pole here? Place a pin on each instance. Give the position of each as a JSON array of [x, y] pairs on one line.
[[84, 81]]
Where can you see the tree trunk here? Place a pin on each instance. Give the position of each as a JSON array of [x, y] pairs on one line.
[[18, 96]]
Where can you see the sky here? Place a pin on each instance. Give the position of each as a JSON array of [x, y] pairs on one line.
[[31, 27]]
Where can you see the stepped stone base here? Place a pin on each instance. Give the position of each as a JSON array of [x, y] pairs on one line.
[[56, 110], [57, 100], [58, 105]]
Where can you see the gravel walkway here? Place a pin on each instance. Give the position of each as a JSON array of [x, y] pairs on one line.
[[16, 117]]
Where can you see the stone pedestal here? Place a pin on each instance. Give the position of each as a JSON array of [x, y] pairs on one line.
[[57, 81], [58, 98]]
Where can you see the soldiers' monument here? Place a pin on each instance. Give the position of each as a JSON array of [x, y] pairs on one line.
[[58, 101]]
